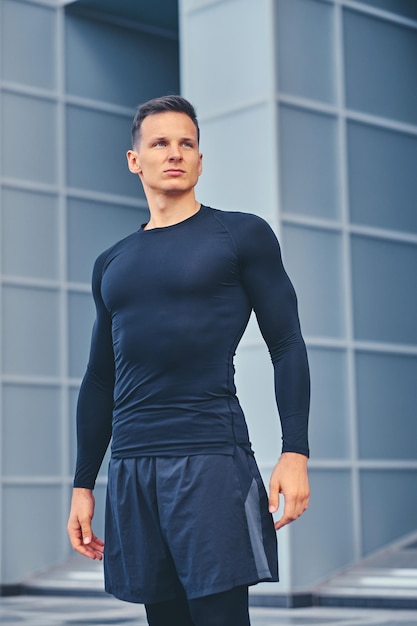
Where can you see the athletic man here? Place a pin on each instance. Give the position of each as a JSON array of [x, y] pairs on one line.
[[188, 522]]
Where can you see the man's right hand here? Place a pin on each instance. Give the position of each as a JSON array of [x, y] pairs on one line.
[[81, 535]]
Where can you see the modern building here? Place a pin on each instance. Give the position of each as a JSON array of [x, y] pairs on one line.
[[308, 112]]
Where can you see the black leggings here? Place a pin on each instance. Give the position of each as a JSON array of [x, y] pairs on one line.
[[229, 608]]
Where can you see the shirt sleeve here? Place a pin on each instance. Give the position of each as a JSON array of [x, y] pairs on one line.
[[95, 400], [274, 302]]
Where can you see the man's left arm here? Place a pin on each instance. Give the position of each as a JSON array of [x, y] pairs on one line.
[[275, 304]]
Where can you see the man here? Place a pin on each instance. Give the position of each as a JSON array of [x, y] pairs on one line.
[[187, 522]]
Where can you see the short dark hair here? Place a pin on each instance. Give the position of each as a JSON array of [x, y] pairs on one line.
[[163, 104]]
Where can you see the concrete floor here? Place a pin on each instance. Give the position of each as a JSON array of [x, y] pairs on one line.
[[380, 591], [102, 611]]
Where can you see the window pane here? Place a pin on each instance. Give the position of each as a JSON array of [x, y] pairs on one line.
[[322, 538], [92, 228], [160, 13], [383, 494], [407, 8], [33, 411], [314, 262], [27, 43], [329, 428], [380, 67], [23, 141], [308, 156], [29, 234], [103, 63], [30, 331], [30, 544], [305, 49], [97, 144], [384, 294], [382, 177], [386, 398]]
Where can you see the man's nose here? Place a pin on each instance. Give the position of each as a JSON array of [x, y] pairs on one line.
[[175, 153]]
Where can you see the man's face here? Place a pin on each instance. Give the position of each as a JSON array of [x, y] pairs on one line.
[[166, 155]]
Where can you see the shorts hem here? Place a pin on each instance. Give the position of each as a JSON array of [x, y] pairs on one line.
[[140, 598], [219, 588]]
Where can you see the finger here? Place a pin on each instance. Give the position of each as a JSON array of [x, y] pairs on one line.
[[78, 545], [293, 509], [89, 552], [97, 545], [284, 520], [86, 532], [289, 514], [74, 533], [273, 504], [273, 499], [94, 550]]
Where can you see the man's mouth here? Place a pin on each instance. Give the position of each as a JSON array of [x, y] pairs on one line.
[[175, 172]]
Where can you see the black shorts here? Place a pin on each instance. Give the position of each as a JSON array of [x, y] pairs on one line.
[[197, 522]]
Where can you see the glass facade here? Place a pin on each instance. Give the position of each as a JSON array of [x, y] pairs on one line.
[[348, 209], [70, 81], [339, 104], [308, 116]]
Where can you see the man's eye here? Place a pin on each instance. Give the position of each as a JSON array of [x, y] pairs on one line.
[[160, 143]]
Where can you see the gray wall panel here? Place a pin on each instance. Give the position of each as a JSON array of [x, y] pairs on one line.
[[382, 177], [323, 539], [329, 412], [384, 493], [387, 400], [30, 331], [134, 68], [24, 511], [314, 261], [385, 302], [69, 86], [23, 251], [29, 149], [31, 431], [305, 42], [380, 67], [28, 44], [96, 152], [309, 163]]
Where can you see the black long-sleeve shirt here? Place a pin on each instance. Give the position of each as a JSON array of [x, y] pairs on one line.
[[172, 305]]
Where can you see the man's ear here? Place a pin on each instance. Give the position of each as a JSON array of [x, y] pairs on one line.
[[133, 162]]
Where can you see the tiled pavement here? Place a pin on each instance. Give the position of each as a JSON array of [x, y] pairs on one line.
[[73, 595], [102, 611]]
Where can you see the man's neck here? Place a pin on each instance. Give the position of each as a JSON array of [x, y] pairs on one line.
[[167, 211]]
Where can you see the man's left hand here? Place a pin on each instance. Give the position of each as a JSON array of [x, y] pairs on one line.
[[290, 478]]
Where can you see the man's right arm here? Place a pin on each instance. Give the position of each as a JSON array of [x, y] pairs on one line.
[[95, 399], [94, 424]]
